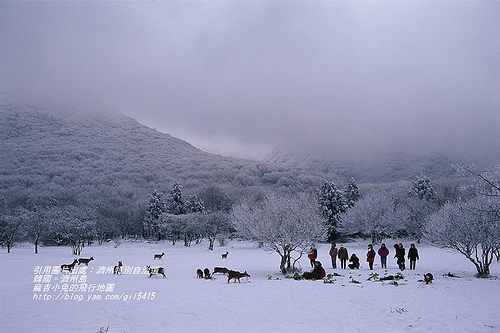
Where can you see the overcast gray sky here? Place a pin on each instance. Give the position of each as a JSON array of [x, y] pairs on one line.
[[349, 79]]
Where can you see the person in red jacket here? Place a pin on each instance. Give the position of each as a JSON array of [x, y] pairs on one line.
[[370, 256], [313, 254]]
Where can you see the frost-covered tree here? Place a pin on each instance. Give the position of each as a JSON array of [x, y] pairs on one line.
[[217, 199], [215, 224], [191, 228], [74, 226], [488, 181], [181, 218], [351, 193], [374, 216], [37, 223], [422, 189], [281, 223], [194, 204], [154, 208], [470, 227], [487, 186], [420, 205], [175, 203], [182, 226], [417, 211], [171, 226], [332, 205], [11, 225], [105, 229]]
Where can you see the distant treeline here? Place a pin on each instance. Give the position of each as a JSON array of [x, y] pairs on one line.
[[374, 211]]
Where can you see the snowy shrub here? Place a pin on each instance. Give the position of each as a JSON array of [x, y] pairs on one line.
[[471, 227], [373, 217], [284, 224]]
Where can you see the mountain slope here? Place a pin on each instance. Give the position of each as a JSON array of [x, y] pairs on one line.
[[73, 156]]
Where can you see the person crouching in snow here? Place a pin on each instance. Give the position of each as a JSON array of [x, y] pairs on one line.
[[317, 273], [354, 262]]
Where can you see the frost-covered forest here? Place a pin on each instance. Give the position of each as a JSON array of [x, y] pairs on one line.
[[105, 166], [112, 163], [69, 179]]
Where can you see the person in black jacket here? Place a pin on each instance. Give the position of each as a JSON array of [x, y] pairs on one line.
[[343, 255], [413, 256], [317, 273], [400, 255], [354, 262]]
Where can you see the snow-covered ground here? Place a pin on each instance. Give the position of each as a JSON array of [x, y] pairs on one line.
[[33, 298]]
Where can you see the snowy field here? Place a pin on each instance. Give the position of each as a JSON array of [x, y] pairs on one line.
[[34, 298]]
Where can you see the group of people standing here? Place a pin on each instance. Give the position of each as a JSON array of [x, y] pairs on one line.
[[342, 254]]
